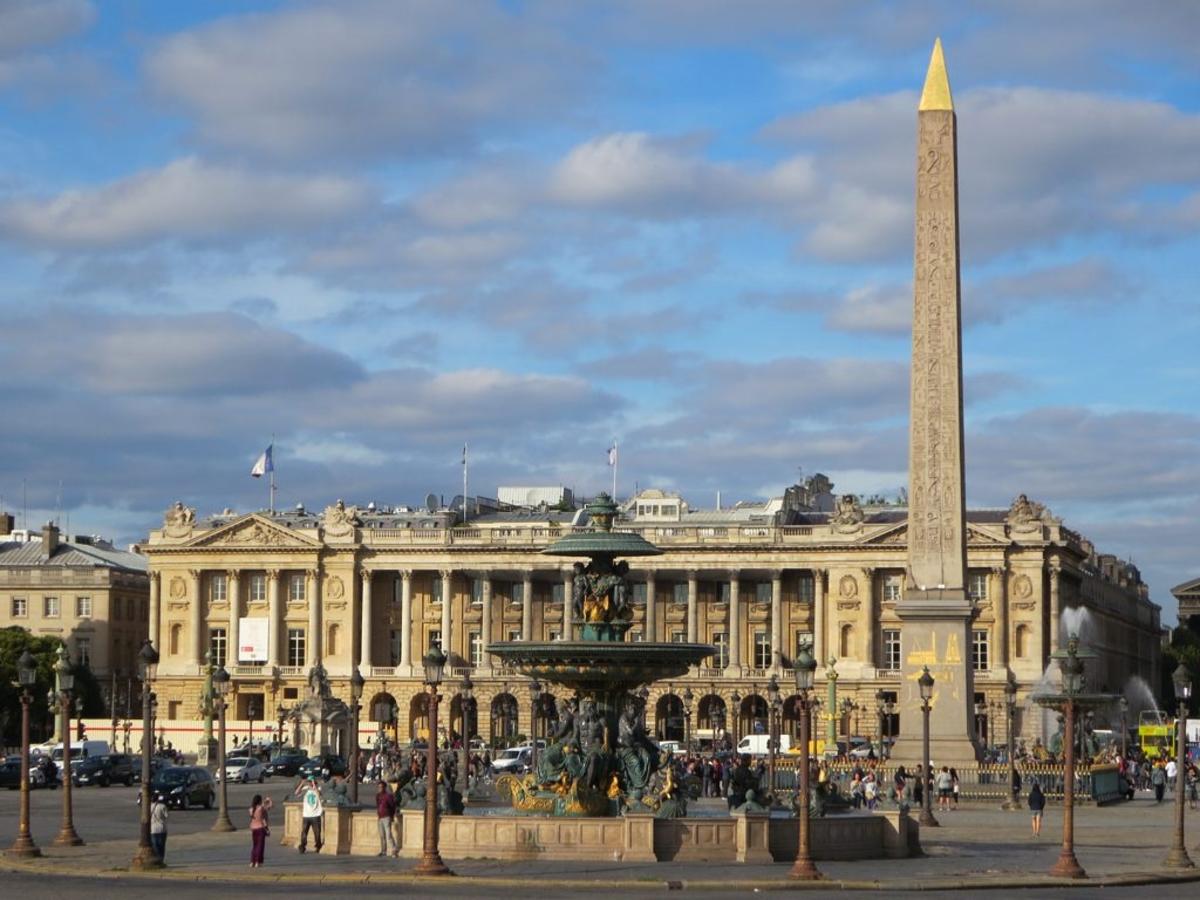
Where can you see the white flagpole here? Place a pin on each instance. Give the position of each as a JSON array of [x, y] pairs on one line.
[[272, 474], [465, 507], [616, 460]]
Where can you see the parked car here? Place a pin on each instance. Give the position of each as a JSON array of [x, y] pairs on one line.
[[10, 773], [317, 766], [103, 770], [184, 786], [244, 769], [286, 762], [513, 760]]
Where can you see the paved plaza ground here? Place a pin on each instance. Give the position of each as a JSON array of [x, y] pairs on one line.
[[978, 846]]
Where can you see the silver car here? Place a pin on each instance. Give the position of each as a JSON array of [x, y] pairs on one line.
[[244, 769]]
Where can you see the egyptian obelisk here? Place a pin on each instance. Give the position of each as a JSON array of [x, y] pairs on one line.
[[935, 612]]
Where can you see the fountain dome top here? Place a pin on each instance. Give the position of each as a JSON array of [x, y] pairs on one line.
[[602, 541]]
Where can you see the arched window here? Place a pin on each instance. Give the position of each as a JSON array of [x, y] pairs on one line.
[[846, 645], [1022, 641], [176, 631], [331, 645]]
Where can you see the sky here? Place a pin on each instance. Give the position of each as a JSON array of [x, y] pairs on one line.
[[375, 230]]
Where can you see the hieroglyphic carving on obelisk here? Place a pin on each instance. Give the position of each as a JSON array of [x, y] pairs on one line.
[[936, 511]]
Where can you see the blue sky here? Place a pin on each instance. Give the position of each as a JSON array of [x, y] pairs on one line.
[[380, 229]]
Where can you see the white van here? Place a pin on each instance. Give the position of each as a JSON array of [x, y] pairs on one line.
[[81, 750], [757, 744]]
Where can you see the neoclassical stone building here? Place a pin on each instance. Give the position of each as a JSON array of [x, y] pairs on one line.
[[374, 588]]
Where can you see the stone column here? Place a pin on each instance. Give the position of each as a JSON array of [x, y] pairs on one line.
[[527, 605], [777, 620], [735, 626], [568, 576], [693, 590], [405, 622], [870, 618], [274, 617], [818, 616], [1000, 604], [447, 611], [1054, 568], [233, 635], [312, 590], [155, 613], [366, 637], [651, 627], [196, 619], [486, 660]]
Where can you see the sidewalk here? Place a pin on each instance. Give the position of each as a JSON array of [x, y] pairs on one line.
[[976, 847]]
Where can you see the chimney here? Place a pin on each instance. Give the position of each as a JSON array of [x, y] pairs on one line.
[[49, 538], [6, 524]]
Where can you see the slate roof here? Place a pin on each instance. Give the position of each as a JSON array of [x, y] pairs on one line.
[[18, 554]]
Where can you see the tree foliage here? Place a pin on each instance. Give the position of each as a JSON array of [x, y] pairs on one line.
[[13, 642]]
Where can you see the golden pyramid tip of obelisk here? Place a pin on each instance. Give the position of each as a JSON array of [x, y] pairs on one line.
[[936, 94]]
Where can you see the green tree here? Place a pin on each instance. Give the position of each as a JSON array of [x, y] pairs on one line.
[[1185, 648], [14, 641]]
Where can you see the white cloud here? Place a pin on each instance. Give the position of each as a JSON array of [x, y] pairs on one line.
[[187, 199], [28, 24]]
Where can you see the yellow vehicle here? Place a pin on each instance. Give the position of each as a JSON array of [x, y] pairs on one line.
[[1156, 734]]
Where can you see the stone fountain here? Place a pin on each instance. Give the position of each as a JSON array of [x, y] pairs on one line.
[[599, 760]]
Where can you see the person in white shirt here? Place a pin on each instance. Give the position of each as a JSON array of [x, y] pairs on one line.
[[312, 811]]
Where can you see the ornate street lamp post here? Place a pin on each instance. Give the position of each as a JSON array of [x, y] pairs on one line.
[[356, 692], [466, 690], [145, 857], [24, 846], [805, 669], [980, 712], [112, 709], [1124, 704], [925, 683], [773, 704], [1067, 865], [281, 717], [881, 719], [535, 697], [1178, 857], [1010, 710], [736, 700], [221, 685], [431, 861], [67, 836], [251, 715], [688, 697]]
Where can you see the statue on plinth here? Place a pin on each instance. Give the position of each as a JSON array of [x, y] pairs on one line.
[[637, 756]]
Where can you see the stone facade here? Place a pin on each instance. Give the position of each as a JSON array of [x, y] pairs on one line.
[[1188, 595], [754, 580]]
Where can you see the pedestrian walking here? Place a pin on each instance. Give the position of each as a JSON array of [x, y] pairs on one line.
[[954, 785], [945, 787], [158, 827], [312, 811], [385, 809], [1158, 780], [1037, 804], [260, 829]]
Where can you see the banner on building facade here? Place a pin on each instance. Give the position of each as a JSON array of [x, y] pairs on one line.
[[252, 640]]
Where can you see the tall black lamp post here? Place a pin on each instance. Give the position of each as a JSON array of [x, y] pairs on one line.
[[251, 715], [1067, 866], [67, 836], [736, 699], [221, 685], [535, 698], [431, 860], [23, 846], [688, 697], [145, 857], [805, 669], [925, 684], [356, 692], [466, 690], [773, 704], [1178, 857], [1010, 712], [1124, 704]]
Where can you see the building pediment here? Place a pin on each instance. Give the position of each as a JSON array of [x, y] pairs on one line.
[[897, 534], [253, 531]]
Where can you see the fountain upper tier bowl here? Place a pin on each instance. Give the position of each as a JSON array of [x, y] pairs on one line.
[[601, 665]]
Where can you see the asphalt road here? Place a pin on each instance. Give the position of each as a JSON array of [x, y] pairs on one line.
[[112, 813]]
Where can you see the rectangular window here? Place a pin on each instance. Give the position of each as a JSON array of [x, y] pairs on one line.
[[516, 593], [514, 634], [721, 642], [762, 592], [174, 707], [258, 588], [20, 607], [475, 642], [435, 592], [83, 607], [679, 637], [893, 585], [435, 639], [723, 592], [762, 650], [679, 591], [977, 586], [394, 645], [477, 592], [116, 608], [217, 586], [979, 650], [83, 651], [295, 647], [556, 593], [50, 607], [296, 590], [553, 634], [636, 636], [891, 649], [217, 646], [803, 639], [639, 593], [806, 588]]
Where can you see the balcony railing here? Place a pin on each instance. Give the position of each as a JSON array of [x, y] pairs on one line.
[[536, 537]]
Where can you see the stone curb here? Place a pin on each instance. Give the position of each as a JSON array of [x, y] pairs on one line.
[[47, 865]]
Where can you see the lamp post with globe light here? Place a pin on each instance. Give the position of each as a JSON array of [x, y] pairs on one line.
[[1010, 711], [221, 685], [1178, 857], [431, 860], [356, 691], [688, 697], [925, 684], [773, 704], [67, 835], [535, 697], [23, 846], [145, 857], [1071, 664], [1124, 704], [805, 670]]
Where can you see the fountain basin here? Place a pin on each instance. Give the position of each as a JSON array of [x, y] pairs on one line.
[[600, 667]]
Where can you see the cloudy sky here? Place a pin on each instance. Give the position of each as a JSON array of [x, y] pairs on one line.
[[378, 230]]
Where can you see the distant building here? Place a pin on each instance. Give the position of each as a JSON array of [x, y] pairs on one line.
[[1188, 595], [79, 589], [535, 496]]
